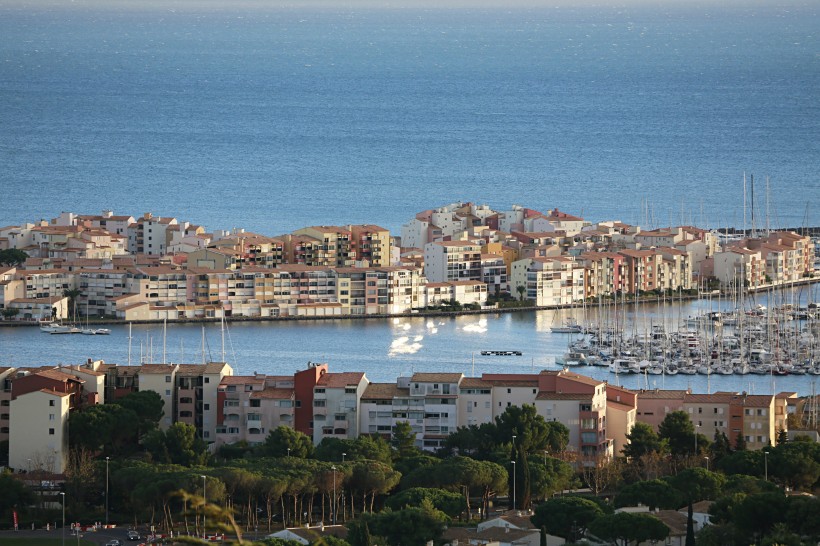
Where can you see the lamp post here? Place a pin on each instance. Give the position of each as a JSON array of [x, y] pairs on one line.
[[204, 503], [545, 458], [343, 457], [333, 468], [62, 494], [707, 462], [766, 465], [288, 452], [514, 491], [106, 490]]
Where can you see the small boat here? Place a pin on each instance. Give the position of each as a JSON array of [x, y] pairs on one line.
[[106, 331], [569, 327]]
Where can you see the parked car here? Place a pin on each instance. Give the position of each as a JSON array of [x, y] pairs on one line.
[[133, 535], [114, 542]]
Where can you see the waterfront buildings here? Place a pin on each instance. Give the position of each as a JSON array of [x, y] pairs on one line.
[[159, 268]]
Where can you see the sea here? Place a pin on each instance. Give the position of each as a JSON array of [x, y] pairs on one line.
[[270, 117]]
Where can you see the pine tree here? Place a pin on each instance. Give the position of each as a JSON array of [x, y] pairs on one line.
[[740, 442]]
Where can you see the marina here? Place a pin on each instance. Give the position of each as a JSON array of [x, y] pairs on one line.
[[662, 341]]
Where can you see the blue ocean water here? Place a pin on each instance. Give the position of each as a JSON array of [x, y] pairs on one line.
[[275, 118]]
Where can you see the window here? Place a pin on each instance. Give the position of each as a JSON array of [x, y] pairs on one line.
[[255, 403], [207, 380], [51, 402], [207, 407], [509, 391], [51, 431], [167, 392], [51, 417], [231, 388], [167, 378]]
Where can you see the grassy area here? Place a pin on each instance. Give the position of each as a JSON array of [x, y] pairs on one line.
[[13, 541]]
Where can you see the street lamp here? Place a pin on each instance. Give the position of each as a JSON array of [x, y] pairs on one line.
[[343, 457], [106, 490], [707, 462], [545, 458], [514, 492], [204, 502], [766, 464], [288, 452], [62, 494], [335, 506]]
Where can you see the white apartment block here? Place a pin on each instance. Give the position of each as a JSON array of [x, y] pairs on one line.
[[38, 438], [452, 261], [549, 281], [336, 405]]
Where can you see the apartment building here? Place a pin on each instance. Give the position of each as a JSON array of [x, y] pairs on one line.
[[549, 281], [643, 270], [371, 244], [739, 265], [149, 234], [189, 393], [336, 405], [6, 376], [755, 417], [464, 292], [335, 247], [494, 273], [41, 399], [605, 273], [452, 261], [250, 407]]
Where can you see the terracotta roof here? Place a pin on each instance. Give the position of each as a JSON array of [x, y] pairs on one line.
[[272, 393], [214, 367], [87, 371], [513, 382], [546, 395], [242, 380], [474, 383], [157, 368], [58, 375], [716, 398], [55, 393], [340, 380], [661, 394], [383, 391], [436, 377], [676, 521]]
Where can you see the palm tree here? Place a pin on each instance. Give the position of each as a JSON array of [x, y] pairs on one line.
[[72, 294], [521, 289]]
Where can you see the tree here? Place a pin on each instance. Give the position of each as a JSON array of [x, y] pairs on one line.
[[177, 445], [797, 464], [651, 493], [642, 440], [9, 312], [627, 527], [532, 432], [782, 436], [600, 472], [15, 496], [521, 289], [696, 484], [562, 515], [72, 294], [679, 432], [408, 527], [403, 439], [109, 427], [12, 257], [549, 475], [284, 440], [720, 447], [450, 503], [740, 442], [147, 406]]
